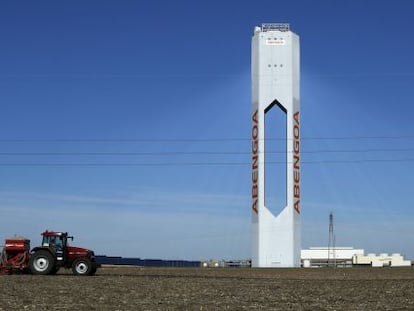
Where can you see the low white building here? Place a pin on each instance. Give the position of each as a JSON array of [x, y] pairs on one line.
[[324, 256], [349, 256], [381, 260]]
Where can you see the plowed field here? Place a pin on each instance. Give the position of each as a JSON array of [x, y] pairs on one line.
[[130, 288]]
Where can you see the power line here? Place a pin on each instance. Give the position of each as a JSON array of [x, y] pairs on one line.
[[23, 164], [192, 75], [168, 153], [184, 140]]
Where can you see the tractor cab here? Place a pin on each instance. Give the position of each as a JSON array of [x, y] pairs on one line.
[[58, 240]]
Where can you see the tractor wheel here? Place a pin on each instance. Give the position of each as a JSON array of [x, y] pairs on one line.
[[42, 262], [82, 266]]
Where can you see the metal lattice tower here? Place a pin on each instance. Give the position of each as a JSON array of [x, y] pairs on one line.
[[331, 243]]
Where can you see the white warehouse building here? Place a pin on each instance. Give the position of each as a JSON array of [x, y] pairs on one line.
[[381, 260], [324, 256], [348, 256]]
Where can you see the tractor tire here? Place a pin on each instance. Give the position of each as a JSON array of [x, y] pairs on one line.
[[82, 266], [42, 262]]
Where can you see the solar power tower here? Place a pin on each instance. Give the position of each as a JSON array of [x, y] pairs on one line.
[[275, 88]]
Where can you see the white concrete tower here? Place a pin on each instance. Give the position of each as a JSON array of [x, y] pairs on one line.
[[275, 85]]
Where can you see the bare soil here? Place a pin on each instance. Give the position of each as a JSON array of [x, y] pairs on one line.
[[132, 288]]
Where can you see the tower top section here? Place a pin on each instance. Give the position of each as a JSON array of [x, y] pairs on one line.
[[275, 27]]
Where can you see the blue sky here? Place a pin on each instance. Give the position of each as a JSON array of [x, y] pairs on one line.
[[127, 123]]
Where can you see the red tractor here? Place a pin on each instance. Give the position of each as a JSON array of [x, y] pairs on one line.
[[48, 258]]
